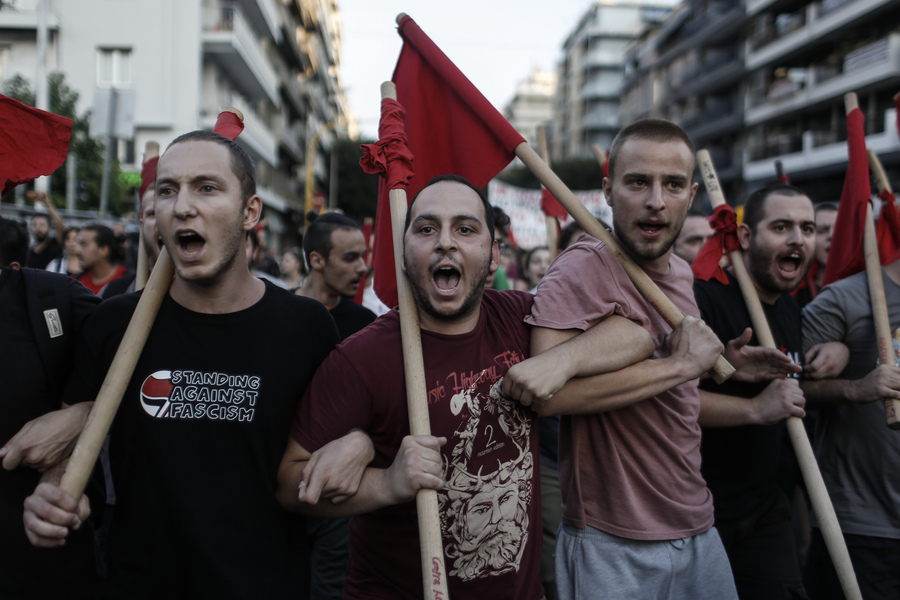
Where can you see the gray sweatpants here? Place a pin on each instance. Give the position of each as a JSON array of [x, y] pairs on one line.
[[591, 564]]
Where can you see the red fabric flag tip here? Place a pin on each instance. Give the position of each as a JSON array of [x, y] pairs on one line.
[[229, 124], [887, 230], [450, 128], [706, 265], [551, 206], [32, 142], [846, 256], [390, 155], [148, 174]]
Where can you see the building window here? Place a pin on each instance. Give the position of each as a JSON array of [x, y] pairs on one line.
[[4, 53], [114, 67]]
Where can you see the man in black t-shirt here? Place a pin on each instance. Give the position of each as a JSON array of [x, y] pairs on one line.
[[335, 250], [203, 422], [743, 421], [46, 247]]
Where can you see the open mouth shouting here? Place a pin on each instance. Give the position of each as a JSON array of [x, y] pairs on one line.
[[446, 279], [651, 228], [190, 243], [789, 263]]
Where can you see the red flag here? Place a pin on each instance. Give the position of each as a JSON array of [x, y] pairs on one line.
[[229, 124], [451, 128], [706, 264], [551, 206], [887, 230], [148, 174], [846, 256], [32, 142]]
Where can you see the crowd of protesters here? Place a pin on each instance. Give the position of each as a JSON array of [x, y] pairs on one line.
[[578, 447]]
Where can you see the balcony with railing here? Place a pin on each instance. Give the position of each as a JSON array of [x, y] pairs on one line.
[[23, 15], [795, 89], [809, 147], [229, 40], [791, 32]]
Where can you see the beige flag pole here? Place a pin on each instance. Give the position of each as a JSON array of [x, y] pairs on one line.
[[876, 290], [822, 506], [101, 417], [434, 573], [552, 223], [599, 153], [666, 309], [151, 151]]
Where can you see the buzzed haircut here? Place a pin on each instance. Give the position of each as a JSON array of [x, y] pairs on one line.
[[41, 216], [753, 208], [654, 130], [318, 234], [13, 242], [826, 206], [694, 211], [241, 163], [104, 236], [488, 209]]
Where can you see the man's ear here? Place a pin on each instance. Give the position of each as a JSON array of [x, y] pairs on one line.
[[317, 262], [607, 191], [252, 212], [744, 236]]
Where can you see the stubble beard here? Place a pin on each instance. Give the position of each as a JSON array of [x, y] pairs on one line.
[[471, 302], [649, 252], [763, 267]]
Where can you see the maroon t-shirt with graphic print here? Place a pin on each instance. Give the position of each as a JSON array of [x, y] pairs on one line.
[[490, 508]]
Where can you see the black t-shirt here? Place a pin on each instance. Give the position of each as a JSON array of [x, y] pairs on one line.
[[350, 317], [741, 464], [40, 260], [25, 394], [197, 441]]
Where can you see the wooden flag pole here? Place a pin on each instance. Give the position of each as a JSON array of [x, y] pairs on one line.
[[101, 417], [151, 150], [599, 153], [818, 494], [666, 309], [552, 223], [434, 573], [876, 290]]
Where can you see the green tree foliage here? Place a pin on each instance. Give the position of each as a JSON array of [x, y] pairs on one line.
[[357, 190], [576, 173], [88, 152]]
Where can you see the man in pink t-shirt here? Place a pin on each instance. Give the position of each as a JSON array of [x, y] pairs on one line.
[[637, 516]]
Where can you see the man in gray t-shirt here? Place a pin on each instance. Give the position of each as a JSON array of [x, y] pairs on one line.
[[857, 453]]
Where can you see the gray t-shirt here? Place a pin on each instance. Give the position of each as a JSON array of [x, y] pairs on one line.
[[858, 455]]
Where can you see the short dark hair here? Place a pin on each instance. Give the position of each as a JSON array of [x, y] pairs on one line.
[[40, 216], [13, 242], [318, 234], [569, 234], [823, 206], [656, 130], [104, 236], [753, 207], [488, 209], [241, 163]]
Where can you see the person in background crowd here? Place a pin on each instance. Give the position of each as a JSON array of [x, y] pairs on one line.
[[826, 215], [46, 247], [100, 257], [68, 263], [253, 252], [693, 235], [292, 268], [536, 263]]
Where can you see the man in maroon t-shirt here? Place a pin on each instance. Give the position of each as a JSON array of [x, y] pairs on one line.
[[482, 458]]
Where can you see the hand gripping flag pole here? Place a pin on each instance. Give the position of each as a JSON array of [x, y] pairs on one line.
[[393, 160], [822, 506]]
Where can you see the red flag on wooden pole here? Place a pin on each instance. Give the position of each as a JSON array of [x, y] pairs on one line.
[[450, 128], [846, 255], [32, 142]]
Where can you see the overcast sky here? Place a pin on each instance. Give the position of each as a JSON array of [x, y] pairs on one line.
[[495, 43]]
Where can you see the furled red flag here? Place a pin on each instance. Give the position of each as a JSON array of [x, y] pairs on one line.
[[887, 229], [450, 127], [148, 176], [32, 142], [779, 171], [846, 256], [706, 265], [551, 206], [229, 123]]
